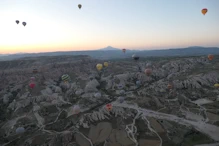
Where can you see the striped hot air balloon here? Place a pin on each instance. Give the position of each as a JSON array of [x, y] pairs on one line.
[[65, 78]]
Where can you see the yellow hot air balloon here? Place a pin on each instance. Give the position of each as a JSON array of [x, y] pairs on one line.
[[99, 66], [106, 64], [216, 85], [204, 11]]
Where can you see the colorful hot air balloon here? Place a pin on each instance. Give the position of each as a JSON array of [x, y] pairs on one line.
[[17, 21], [148, 71], [204, 11], [216, 85], [66, 78], [99, 66], [123, 50], [76, 109], [32, 85], [79, 6], [210, 57], [105, 64], [109, 107], [24, 23]]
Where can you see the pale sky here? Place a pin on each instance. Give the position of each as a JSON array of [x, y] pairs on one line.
[[59, 25]]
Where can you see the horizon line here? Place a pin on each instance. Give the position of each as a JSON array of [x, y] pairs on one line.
[[116, 49]]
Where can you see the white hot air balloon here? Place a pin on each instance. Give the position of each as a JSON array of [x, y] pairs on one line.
[[20, 130], [76, 109]]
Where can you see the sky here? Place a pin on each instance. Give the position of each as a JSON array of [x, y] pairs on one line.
[[59, 25]]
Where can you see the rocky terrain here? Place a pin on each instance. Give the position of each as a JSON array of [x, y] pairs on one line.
[[145, 110]]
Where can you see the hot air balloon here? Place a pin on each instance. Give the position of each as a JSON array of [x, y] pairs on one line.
[[148, 65], [138, 83], [76, 109], [106, 64], [79, 6], [109, 107], [123, 50], [24, 23], [169, 86], [121, 99], [99, 66], [148, 71], [204, 11], [32, 85], [20, 130], [97, 95], [135, 57], [210, 57], [66, 78], [122, 91], [17, 21], [216, 85], [35, 70], [32, 78]]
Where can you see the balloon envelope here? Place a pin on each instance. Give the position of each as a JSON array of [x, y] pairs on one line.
[[106, 64], [20, 130], [138, 83], [210, 57], [204, 11], [35, 70], [148, 65], [122, 92], [79, 6], [32, 78], [24, 23], [65, 78], [148, 71], [121, 99], [135, 57], [109, 107], [99, 66], [216, 85], [32, 85], [76, 109], [169, 86], [123, 50], [97, 95], [17, 21]]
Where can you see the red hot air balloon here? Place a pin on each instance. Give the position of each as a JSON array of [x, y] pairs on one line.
[[32, 85], [109, 107]]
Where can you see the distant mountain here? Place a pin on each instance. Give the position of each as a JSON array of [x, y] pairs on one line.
[[109, 48], [115, 53]]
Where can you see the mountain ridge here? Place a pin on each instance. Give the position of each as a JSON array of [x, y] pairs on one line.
[[113, 53]]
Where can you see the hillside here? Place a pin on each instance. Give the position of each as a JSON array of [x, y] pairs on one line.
[[145, 110]]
